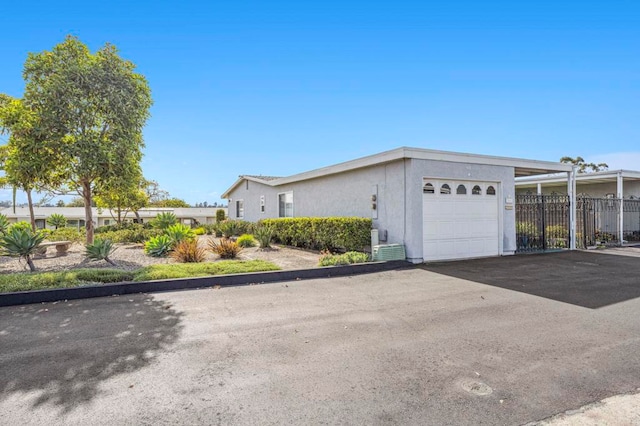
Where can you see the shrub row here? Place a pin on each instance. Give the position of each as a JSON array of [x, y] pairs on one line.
[[321, 233]]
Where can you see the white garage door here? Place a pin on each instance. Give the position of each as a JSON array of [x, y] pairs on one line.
[[460, 219]]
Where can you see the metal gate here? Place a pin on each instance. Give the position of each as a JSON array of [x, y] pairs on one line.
[[542, 222]]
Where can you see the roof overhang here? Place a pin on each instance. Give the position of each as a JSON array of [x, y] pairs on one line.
[[521, 167], [608, 176]]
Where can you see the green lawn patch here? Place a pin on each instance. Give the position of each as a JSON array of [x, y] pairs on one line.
[[24, 281], [186, 270]]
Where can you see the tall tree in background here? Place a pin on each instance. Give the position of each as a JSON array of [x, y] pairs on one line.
[[123, 195], [25, 159], [91, 109], [584, 167]]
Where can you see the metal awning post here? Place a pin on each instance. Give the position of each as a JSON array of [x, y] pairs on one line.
[[571, 190], [620, 190]]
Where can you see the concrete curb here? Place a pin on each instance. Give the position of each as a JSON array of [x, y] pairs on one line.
[[53, 295]]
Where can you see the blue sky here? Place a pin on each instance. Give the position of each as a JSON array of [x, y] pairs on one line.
[[281, 87]]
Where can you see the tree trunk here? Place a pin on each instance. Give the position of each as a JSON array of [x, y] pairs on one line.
[[32, 267], [88, 213], [32, 215]]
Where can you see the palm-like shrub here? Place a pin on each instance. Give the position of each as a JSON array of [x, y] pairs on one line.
[[22, 243], [180, 232], [246, 240], [66, 234], [158, 246], [164, 220], [100, 250], [4, 224], [226, 248], [57, 220], [264, 235], [187, 251]]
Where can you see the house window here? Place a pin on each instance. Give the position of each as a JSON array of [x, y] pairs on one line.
[[476, 190], [445, 189], [107, 222], [41, 223], [262, 204], [285, 204], [461, 190], [239, 208], [428, 189], [491, 190]]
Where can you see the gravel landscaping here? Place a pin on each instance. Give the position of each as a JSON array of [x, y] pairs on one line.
[[132, 256]]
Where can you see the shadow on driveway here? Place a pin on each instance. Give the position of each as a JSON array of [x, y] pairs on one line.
[[95, 339], [587, 279]]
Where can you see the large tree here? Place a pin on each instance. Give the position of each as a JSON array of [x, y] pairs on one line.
[[92, 108], [26, 162], [583, 166]]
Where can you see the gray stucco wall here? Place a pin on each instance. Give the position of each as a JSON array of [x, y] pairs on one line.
[[419, 169], [399, 206], [344, 194]]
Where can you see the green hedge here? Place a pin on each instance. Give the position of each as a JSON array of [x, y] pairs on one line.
[[321, 233]]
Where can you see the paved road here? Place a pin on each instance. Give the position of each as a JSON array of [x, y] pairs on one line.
[[402, 347]]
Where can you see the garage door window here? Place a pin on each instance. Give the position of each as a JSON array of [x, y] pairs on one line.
[[428, 189], [461, 190], [445, 189], [491, 190], [476, 190]]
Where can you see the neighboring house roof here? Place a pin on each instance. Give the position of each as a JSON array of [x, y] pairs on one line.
[[522, 167], [606, 176]]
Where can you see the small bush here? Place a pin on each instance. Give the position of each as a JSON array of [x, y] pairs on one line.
[[158, 246], [246, 240], [226, 248], [526, 228], [133, 235], [164, 220], [179, 232], [264, 235], [187, 251], [200, 230], [66, 234], [100, 250], [25, 226], [209, 228], [122, 225], [328, 259], [220, 216]]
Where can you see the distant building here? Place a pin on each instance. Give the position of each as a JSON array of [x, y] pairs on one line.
[[101, 217]]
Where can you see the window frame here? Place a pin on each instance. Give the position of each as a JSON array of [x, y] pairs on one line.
[[238, 215], [285, 193]]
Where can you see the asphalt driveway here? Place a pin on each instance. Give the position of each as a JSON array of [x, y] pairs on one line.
[[584, 278], [400, 347]]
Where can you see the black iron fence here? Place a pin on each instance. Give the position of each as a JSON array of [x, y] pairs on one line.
[[542, 222]]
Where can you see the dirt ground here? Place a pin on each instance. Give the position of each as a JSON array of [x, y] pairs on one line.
[[132, 256]]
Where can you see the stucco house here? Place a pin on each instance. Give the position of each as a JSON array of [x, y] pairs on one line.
[[439, 205], [76, 216]]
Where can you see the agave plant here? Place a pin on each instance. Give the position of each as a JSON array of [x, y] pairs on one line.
[[57, 220], [180, 232], [22, 243], [4, 224], [158, 246], [100, 250], [264, 235], [164, 220]]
